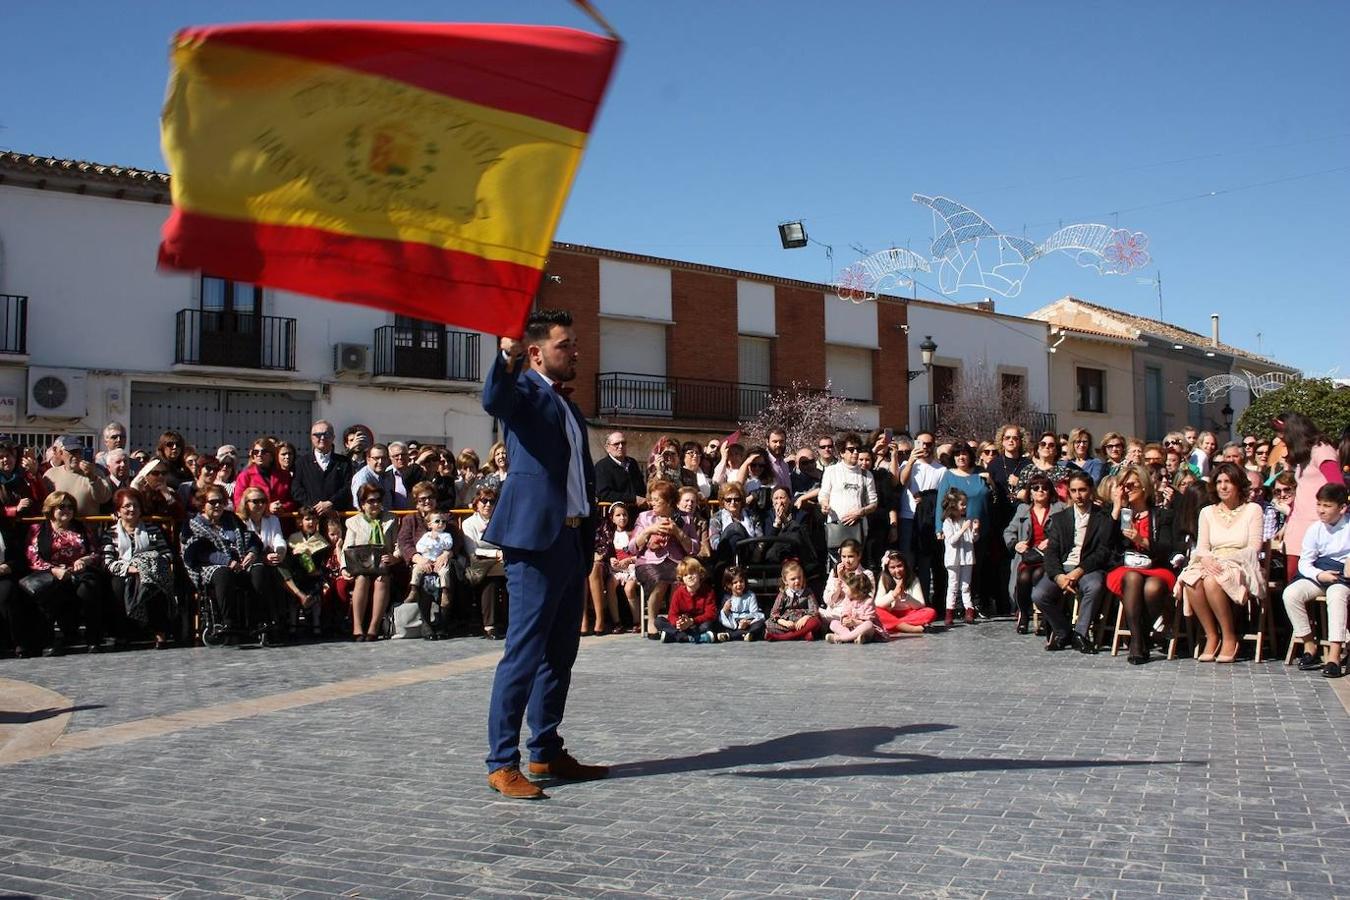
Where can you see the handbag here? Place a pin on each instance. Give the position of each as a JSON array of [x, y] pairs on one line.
[[364, 560], [836, 533], [1136, 560], [1033, 557], [408, 621], [35, 583]]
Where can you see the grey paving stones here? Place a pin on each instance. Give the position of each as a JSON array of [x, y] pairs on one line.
[[970, 764]]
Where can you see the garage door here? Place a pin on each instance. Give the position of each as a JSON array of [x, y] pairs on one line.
[[209, 417]]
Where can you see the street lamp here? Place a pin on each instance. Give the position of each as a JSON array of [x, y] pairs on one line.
[[926, 350], [1227, 413]]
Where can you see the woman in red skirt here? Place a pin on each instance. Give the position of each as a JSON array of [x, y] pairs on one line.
[[1145, 580], [899, 602]]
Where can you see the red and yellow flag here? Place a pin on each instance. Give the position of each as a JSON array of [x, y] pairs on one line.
[[416, 168]]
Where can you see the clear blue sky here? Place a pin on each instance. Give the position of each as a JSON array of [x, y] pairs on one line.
[[725, 118]]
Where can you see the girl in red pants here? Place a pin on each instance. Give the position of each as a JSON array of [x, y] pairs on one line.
[[795, 615], [900, 606]]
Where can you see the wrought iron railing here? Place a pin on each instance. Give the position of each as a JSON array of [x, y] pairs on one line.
[[213, 337], [661, 396], [13, 323], [930, 419], [436, 353]]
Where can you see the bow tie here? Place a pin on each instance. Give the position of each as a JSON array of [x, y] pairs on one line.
[[562, 389]]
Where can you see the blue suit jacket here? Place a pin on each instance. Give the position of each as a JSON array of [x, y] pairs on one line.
[[533, 503]]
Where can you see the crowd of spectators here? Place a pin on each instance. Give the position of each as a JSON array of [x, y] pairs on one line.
[[851, 538]]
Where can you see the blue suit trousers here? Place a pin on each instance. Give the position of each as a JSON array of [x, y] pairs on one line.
[[546, 593]]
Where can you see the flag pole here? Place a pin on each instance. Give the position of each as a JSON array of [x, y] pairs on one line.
[[590, 10]]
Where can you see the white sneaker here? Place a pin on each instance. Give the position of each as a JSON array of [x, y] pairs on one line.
[[723, 637], [746, 637], [831, 638]]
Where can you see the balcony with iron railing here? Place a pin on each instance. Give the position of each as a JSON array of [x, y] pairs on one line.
[[13, 324], [238, 340], [441, 354], [667, 397]]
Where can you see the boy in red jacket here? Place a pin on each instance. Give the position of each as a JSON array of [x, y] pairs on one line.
[[693, 608]]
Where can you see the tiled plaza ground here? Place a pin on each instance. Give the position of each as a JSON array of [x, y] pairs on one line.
[[970, 764]]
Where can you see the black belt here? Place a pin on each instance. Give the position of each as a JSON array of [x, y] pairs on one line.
[[573, 521]]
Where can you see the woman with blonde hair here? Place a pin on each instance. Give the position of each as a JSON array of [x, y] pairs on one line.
[[494, 470]]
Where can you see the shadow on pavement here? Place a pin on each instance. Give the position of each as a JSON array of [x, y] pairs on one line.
[[862, 742], [37, 715]]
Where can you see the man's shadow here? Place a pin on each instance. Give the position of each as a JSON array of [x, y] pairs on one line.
[[863, 742]]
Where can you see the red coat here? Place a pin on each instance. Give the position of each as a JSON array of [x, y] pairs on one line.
[[276, 485], [701, 607]]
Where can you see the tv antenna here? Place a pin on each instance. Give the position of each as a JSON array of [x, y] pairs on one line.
[[1156, 282]]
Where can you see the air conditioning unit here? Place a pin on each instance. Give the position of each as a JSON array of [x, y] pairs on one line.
[[350, 359], [57, 393]]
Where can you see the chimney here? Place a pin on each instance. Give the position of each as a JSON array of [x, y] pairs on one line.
[[1214, 330]]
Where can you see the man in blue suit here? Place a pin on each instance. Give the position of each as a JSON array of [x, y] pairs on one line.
[[545, 524]]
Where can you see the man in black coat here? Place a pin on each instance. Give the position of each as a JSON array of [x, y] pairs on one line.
[[1081, 549], [323, 478], [619, 477]]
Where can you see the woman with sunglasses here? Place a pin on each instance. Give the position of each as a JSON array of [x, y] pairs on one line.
[[483, 566], [1144, 581], [1113, 451], [217, 553], [371, 526], [73, 589], [263, 473], [1045, 461], [171, 451], [270, 578], [1026, 540]]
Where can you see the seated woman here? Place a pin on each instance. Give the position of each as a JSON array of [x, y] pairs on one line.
[[899, 601], [484, 569], [425, 586], [75, 590], [170, 451], [795, 614], [1145, 581], [137, 556], [1113, 452], [1081, 454], [268, 574], [370, 527], [731, 524], [263, 473], [1026, 541], [661, 543], [217, 552], [307, 555], [758, 482], [1224, 571]]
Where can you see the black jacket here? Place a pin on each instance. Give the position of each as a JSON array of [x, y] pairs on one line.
[[1099, 544], [310, 485], [619, 484]]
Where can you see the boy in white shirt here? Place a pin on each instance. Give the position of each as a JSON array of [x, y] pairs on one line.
[[1323, 567]]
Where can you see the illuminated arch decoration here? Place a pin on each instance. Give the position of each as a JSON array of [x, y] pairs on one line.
[[969, 252], [1216, 386]]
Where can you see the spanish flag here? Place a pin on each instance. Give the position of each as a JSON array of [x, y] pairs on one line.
[[416, 168]]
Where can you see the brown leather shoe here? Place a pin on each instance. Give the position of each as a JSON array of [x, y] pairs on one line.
[[508, 782], [568, 769]]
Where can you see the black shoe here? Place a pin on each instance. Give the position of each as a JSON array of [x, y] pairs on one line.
[[431, 636], [95, 647], [56, 649], [1023, 628], [1057, 643], [1081, 644], [1332, 670], [1043, 630], [1138, 660], [1308, 663]]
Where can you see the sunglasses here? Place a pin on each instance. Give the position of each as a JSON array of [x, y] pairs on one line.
[[487, 502], [851, 449], [1049, 443], [256, 451], [320, 435], [733, 500], [1114, 446], [171, 444], [825, 446], [215, 501], [986, 452], [1039, 488], [254, 501]]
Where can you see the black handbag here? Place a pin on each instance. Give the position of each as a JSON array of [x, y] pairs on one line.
[[364, 559], [35, 583]]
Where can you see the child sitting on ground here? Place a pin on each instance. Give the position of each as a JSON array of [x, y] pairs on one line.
[[899, 601], [850, 562], [854, 619], [741, 616], [692, 615], [795, 614]]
